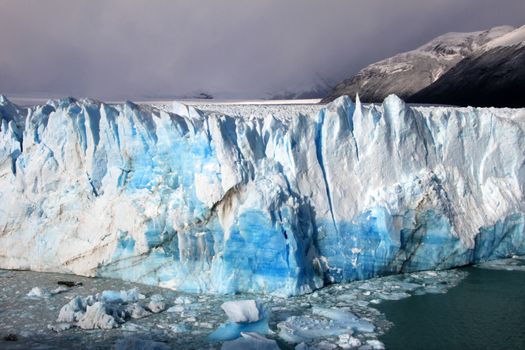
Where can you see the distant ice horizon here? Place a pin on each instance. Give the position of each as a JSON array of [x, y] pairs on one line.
[[35, 100]]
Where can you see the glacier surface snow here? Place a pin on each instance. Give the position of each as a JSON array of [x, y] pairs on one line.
[[278, 203]]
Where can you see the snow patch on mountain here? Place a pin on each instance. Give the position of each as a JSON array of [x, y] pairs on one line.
[[516, 37], [409, 72]]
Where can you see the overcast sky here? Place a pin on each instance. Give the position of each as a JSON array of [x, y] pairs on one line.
[[230, 48]]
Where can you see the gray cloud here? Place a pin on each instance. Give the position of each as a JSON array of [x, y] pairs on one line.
[[132, 49]]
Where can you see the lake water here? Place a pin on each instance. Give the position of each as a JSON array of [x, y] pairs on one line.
[[485, 311], [468, 308]]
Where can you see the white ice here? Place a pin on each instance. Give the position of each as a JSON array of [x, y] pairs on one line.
[[265, 199], [250, 341], [243, 310]]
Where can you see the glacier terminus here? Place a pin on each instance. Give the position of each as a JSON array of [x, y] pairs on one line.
[[253, 201]]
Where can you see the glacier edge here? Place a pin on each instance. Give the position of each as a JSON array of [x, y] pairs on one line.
[[272, 203]]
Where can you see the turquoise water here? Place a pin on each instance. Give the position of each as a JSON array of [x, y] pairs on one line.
[[485, 311]]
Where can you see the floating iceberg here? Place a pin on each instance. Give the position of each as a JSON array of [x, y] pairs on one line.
[[276, 203], [243, 310], [105, 310], [244, 316]]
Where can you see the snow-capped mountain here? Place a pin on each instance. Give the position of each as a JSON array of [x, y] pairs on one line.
[[265, 202], [306, 90], [493, 75], [407, 73]]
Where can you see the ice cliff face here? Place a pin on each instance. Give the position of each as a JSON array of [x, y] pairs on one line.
[[204, 202]]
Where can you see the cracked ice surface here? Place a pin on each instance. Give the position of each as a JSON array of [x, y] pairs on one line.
[[278, 200]]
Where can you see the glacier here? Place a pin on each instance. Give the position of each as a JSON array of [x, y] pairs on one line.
[[281, 203]]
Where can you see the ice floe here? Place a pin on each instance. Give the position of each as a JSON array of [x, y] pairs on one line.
[[250, 341], [516, 263], [340, 316]]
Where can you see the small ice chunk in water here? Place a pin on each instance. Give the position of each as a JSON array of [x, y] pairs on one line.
[[59, 327], [38, 292], [134, 343], [346, 341], [407, 286], [179, 328], [136, 310], [333, 322], [183, 300], [435, 290], [345, 318], [96, 316], [514, 264], [243, 310], [233, 330], [393, 296], [250, 341], [243, 316], [133, 327], [297, 329], [129, 296], [334, 314], [376, 344], [176, 308], [326, 345], [72, 311], [157, 303]]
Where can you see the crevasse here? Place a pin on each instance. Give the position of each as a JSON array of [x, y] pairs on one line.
[[204, 202]]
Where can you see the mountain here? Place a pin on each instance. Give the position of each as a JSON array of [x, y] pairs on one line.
[[407, 73], [493, 75], [270, 202], [305, 90]]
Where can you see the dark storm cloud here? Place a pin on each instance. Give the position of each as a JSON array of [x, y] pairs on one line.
[[117, 49]]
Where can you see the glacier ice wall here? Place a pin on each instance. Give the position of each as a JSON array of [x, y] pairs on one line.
[[206, 202]]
